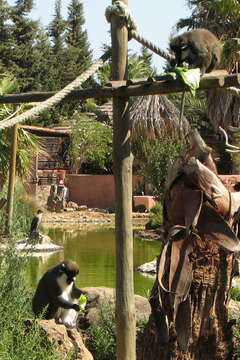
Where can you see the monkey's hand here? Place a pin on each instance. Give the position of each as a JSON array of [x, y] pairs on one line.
[[76, 307]]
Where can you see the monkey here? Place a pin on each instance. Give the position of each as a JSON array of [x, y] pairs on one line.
[[200, 48], [56, 294]]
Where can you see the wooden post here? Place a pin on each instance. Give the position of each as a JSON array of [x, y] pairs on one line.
[[11, 182], [122, 157]]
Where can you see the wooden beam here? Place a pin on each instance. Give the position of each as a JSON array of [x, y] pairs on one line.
[[11, 182], [122, 160], [161, 85]]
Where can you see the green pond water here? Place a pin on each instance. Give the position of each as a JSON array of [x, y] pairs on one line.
[[94, 251]]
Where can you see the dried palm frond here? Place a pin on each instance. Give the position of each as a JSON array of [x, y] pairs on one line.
[[157, 117]]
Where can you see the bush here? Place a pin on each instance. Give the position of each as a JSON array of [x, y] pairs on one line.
[[23, 211], [91, 149], [102, 337], [156, 217], [15, 305], [158, 157]]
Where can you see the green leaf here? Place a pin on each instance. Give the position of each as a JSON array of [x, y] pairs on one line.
[[82, 301], [190, 77]]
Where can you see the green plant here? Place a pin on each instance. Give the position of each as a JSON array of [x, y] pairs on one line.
[[158, 156], [235, 294], [156, 218], [23, 211], [103, 336], [18, 340], [91, 147]]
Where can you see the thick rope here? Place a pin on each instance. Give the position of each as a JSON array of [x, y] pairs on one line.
[[55, 99], [148, 44], [121, 9]]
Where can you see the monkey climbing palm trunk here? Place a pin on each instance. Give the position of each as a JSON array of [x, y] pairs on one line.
[[189, 318]]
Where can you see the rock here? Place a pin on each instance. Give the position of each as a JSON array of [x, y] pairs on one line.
[[236, 267], [72, 205], [65, 339], [233, 308], [82, 208], [150, 267], [97, 296]]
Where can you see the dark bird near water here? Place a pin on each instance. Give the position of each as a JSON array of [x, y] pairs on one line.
[[36, 221]]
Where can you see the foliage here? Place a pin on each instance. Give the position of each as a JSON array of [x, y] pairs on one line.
[[156, 217], [235, 293], [191, 77], [236, 333], [28, 143], [16, 341], [230, 54], [139, 66], [158, 156], [23, 211], [91, 147], [78, 52], [102, 337]]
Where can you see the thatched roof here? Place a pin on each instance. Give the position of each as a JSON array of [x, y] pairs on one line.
[[157, 117], [223, 109]]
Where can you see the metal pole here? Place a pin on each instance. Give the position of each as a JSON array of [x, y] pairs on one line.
[[122, 157], [11, 182]]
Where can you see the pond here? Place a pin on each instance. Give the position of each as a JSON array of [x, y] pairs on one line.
[[94, 251]]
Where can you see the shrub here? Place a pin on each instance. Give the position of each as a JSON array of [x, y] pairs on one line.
[[158, 157], [156, 218], [102, 337], [23, 211], [91, 148], [17, 342]]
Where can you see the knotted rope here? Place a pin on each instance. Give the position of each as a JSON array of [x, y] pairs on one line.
[[55, 99], [121, 9]]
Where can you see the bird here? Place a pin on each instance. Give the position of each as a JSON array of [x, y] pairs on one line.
[[36, 221]]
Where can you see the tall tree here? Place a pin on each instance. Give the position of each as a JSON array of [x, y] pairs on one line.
[[23, 34], [5, 36], [56, 31], [79, 55]]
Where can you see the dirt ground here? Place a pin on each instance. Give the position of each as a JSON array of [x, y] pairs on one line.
[[88, 216]]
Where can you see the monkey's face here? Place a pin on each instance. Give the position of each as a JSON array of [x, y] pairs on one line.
[[182, 51], [69, 270]]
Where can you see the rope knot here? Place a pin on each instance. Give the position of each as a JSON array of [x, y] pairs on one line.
[[121, 9]]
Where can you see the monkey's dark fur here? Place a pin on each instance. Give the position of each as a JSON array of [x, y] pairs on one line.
[[49, 297], [199, 48]]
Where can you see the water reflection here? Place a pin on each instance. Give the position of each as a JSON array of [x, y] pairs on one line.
[[94, 251]]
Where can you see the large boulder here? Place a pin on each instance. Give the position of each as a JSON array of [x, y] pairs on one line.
[[65, 339], [97, 296]]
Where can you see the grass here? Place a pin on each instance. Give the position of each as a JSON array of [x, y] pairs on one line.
[[156, 217], [102, 336], [23, 211], [18, 342]]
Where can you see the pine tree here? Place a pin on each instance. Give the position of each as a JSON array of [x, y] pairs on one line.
[[79, 55], [5, 36], [23, 32], [56, 31]]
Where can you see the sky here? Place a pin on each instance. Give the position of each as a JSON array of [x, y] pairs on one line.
[[155, 20]]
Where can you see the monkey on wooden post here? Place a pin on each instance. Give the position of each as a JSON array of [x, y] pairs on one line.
[[56, 294], [199, 48]]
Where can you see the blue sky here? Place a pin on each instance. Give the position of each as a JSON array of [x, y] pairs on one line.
[[155, 20]]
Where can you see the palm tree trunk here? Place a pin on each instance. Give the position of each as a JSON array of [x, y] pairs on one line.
[[189, 318], [211, 333]]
